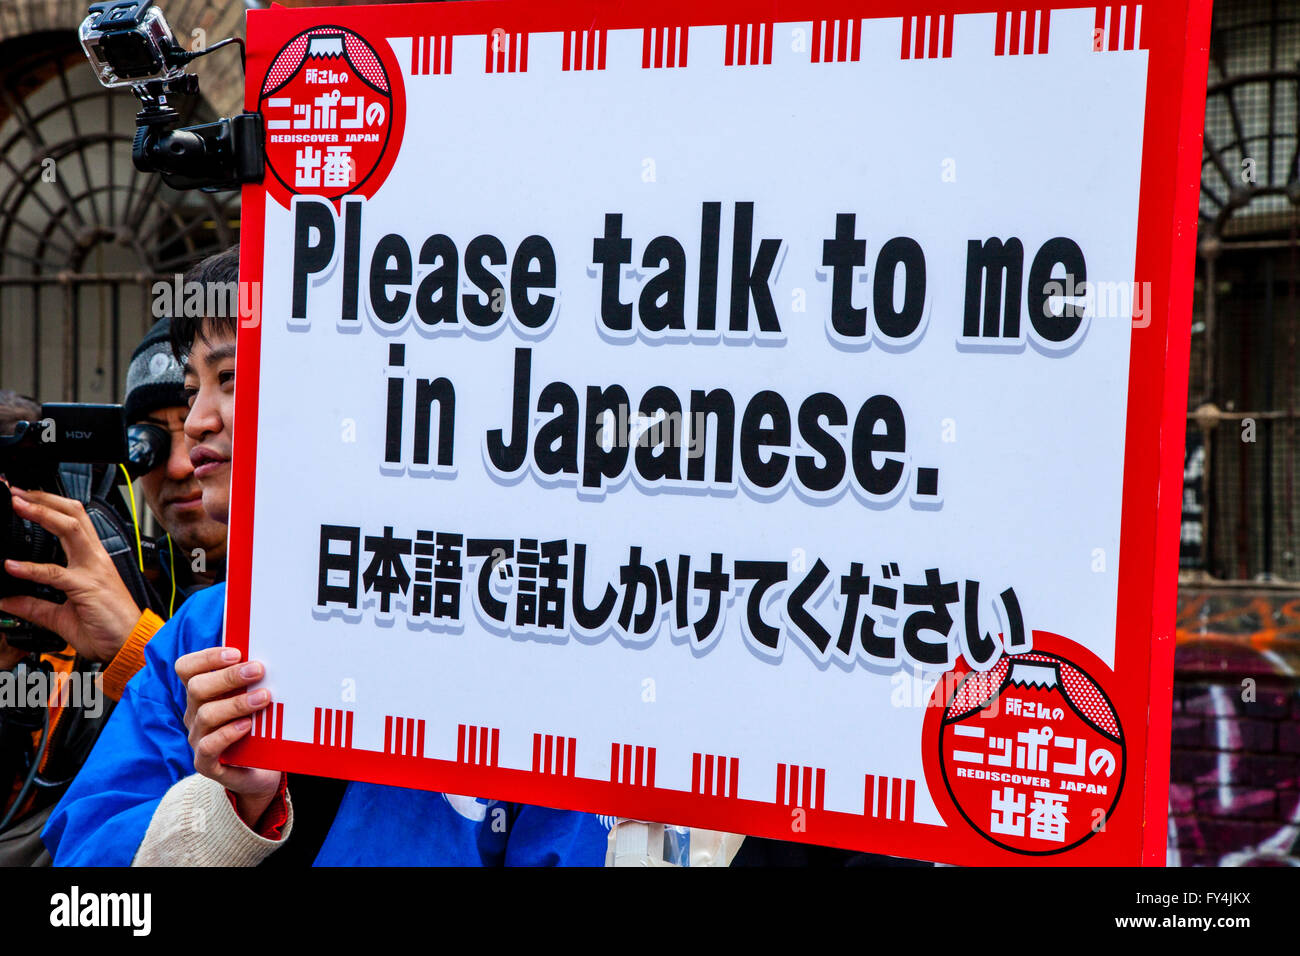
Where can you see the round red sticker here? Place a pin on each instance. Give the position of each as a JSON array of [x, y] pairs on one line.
[[334, 111], [1031, 752]]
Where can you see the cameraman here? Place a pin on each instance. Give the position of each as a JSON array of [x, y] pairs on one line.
[[101, 620]]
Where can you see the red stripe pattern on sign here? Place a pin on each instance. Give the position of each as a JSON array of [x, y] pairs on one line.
[[836, 41], [477, 745], [1022, 32], [889, 798], [332, 727], [431, 55], [927, 37], [749, 44], [554, 754], [799, 786], [269, 722], [584, 50], [663, 47], [404, 736], [506, 52], [713, 775], [1118, 27], [632, 764]]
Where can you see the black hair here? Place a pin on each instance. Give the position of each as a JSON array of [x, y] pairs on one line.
[[217, 274], [15, 408]]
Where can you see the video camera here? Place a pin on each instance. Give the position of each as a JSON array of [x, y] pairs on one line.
[[129, 43], [30, 459]]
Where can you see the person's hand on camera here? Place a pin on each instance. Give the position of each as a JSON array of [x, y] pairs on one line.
[[217, 713], [100, 612]]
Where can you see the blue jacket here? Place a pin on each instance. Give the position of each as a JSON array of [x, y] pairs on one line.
[[144, 750]]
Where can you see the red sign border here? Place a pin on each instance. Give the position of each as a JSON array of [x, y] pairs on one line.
[[1176, 35]]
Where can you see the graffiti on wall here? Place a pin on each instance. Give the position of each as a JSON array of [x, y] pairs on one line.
[[1234, 795]]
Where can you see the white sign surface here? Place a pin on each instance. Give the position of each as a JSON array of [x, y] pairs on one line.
[[654, 439]]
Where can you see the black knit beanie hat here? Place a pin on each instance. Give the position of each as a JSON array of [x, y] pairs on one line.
[[153, 379]]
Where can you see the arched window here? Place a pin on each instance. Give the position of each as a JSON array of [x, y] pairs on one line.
[[1240, 518], [83, 234]]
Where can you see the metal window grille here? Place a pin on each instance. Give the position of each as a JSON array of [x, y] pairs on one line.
[[1240, 500], [83, 235]]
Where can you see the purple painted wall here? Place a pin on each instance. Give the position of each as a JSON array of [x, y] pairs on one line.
[[1234, 795]]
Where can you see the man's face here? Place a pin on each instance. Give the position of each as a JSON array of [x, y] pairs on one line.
[[173, 493], [210, 386]]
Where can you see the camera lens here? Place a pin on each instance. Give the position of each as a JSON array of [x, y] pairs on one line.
[[130, 55], [147, 447]]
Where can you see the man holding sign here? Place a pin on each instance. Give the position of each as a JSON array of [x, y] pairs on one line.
[[137, 801]]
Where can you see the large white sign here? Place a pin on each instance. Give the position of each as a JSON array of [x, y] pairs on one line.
[[754, 425]]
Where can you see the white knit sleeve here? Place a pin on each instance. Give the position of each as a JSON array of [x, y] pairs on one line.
[[196, 825]]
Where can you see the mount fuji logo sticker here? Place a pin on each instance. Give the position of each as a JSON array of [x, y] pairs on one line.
[[1031, 752], [335, 111]]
